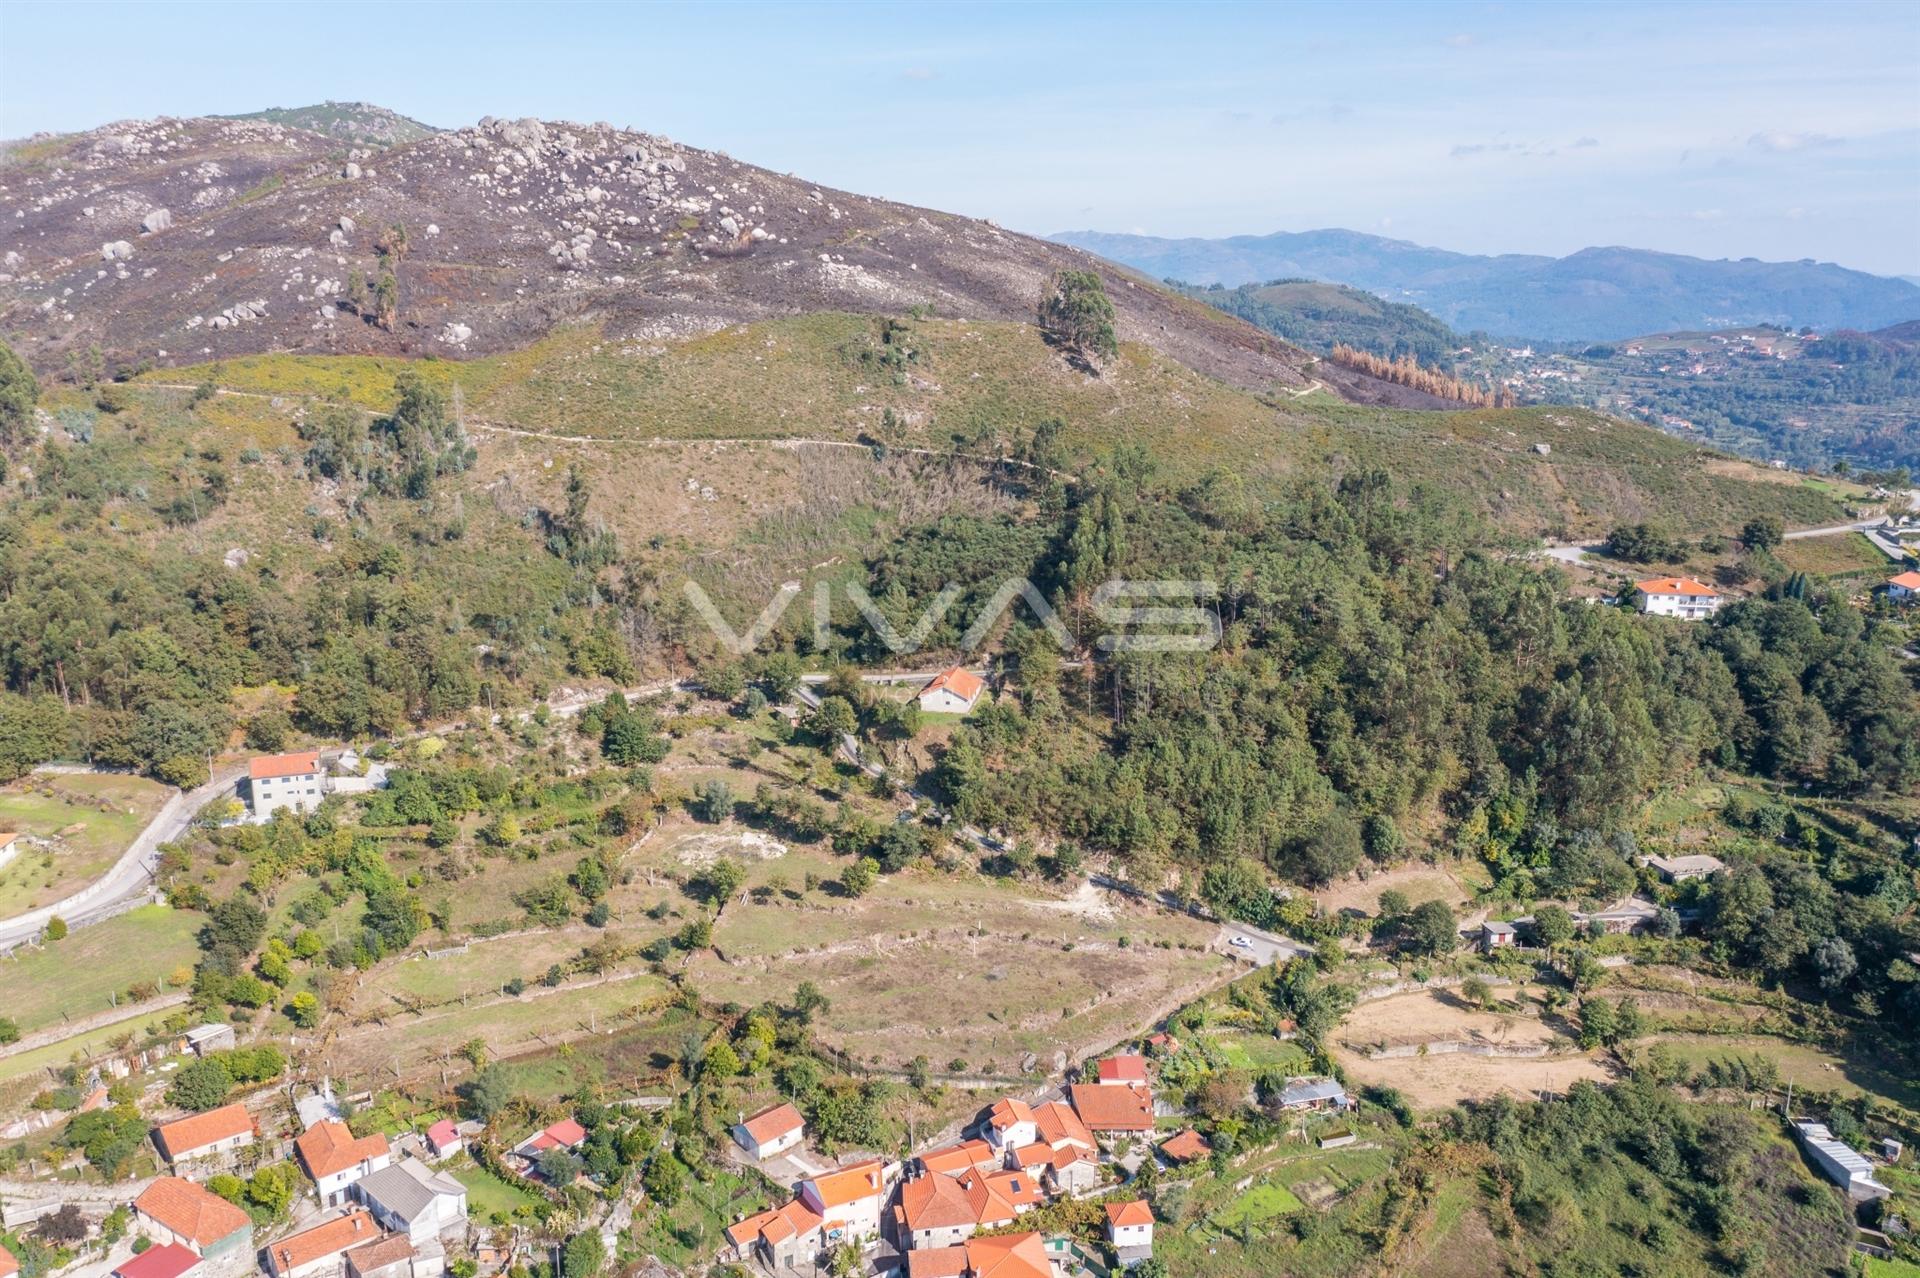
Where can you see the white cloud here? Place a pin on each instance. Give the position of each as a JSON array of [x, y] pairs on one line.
[[1778, 142]]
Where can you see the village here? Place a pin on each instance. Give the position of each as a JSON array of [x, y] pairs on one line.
[[1068, 1178]]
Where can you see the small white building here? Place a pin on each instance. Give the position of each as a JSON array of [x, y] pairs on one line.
[[952, 692], [773, 1130], [849, 1200], [1845, 1167], [1011, 1124], [1681, 597], [1130, 1230], [1905, 588], [276, 781], [334, 1158]]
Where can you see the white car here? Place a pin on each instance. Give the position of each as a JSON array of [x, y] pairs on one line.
[[1241, 943]]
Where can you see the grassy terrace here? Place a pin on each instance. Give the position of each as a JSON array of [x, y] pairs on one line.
[[89, 821], [80, 975]]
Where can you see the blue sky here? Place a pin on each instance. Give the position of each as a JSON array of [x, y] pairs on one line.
[[1766, 130]]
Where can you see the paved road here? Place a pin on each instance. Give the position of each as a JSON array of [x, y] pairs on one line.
[[132, 874], [1835, 529]]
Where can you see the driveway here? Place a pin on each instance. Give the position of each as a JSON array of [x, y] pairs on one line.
[[1261, 948]]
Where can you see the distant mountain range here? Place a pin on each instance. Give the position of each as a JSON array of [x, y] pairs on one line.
[[1597, 294]]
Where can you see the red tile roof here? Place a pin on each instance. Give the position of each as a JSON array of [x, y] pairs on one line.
[[8, 1265], [776, 1226], [963, 684], [193, 1213], [1113, 1107], [381, 1252], [565, 1133], [937, 1262], [1675, 586], [1059, 1125], [1120, 1215], [268, 766], [1124, 1069], [1007, 1111], [773, 1122], [951, 1160], [849, 1184], [443, 1134], [330, 1239], [1008, 1256], [168, 1260], [329, 1146], [197, 1131], [1186, 1147], [936, 1202], [1911, 580]]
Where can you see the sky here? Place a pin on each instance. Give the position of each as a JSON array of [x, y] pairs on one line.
[[1778, 131]]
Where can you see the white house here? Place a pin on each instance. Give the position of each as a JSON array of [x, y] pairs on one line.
[[952, 692], [1011, 1124], [1130, 1230], [1844, 1166], [278, 781], [1681, 597], [848, 1201], [773, 1130], [411, 1198], [335, 1158], [218, 1131], [1905, 588]]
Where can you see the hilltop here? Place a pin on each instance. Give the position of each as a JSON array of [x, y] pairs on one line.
[[349, 121], [177, 241], [1596, 294]]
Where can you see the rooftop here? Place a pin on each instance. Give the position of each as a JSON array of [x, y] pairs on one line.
[[190, 1211], [196, 1131], [266, 767], [168, 1260], [408, 1188], [848, 1184], [330, 1146], [329, 1239], [773, 1122], [1113, 1107], [1683, 586]]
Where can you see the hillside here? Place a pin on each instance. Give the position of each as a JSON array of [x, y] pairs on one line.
[[1596, 294], [1319, 315], [175, 241]]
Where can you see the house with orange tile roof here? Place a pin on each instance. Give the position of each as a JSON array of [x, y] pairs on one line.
[[1113, 1107], [849, 1200], [1902, 589], [1130, 1230], [315, 1251], [276, 781], [9, 848], [1187, 1147], [8, 1265], [1008, 1256], [968, 1155], [172, 1210], [1009, 1123], [218, 1131], [1128, 1067], [783, 1238], [773, 1130], [1058, 1126], [952, 691], [1681, 597], [334, 1158]]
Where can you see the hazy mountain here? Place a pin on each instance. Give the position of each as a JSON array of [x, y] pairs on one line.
[[1595, 294]]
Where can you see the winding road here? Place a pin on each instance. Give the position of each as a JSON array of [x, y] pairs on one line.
[[132, 874]]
